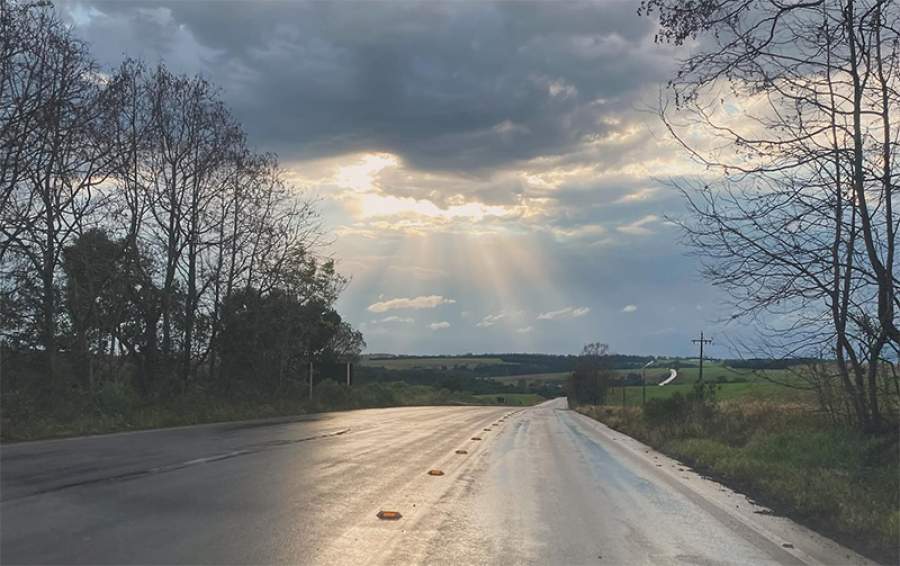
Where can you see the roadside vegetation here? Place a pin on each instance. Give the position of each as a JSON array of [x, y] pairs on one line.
[[789, 445], [795, 223], [154, 268], [116, 408], [786, 456]]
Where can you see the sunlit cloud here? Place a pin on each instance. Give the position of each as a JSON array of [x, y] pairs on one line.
[[439, 325], [492, 319], [589, 231], [489, 321], [428, 302], [640, 194], [508, 126], [567, 312], [522, 177], [394, 319], [360, 177], [637, 228], [374, 204], [602, 243], [629, 308], [357, 230], [362, 188]]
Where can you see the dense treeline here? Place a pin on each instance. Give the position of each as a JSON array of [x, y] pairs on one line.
[[542, 363], [461, 380], [525, 364], [141, 237], [763, 364]]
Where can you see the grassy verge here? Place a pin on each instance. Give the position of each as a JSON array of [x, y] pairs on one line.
[[837, 481], [116, 410], [511, 399]]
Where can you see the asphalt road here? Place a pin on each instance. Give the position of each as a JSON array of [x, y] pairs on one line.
[[546, 486]]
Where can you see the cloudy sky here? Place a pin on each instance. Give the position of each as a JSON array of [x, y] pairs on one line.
[[488, 170]]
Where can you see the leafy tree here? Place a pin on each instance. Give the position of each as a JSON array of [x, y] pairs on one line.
[[93, 294], [592, 375]]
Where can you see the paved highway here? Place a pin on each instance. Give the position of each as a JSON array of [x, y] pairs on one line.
[[546, 486]]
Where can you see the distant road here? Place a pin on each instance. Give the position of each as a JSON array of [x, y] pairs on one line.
[[547, 486], [672, 375]]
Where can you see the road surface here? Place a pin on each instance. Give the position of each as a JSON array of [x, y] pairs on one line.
[[546, 486]]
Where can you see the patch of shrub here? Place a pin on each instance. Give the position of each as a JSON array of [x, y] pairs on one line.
[[679, 415]]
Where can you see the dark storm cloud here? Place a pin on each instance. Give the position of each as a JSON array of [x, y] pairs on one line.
[[446, 86], [525, 106]]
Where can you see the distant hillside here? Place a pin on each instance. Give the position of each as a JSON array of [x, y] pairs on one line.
[[516, 364]]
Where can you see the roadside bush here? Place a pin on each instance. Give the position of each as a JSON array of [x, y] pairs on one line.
[[113, 398], [667, 412], [332, 394], [679, 415]]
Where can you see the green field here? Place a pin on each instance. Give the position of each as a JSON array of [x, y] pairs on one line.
[[688, 375], [545, 377], [432, 363], [511, 399], [711, 372], [759, 389]]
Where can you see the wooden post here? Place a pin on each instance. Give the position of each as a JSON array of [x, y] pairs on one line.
[[702, 341]]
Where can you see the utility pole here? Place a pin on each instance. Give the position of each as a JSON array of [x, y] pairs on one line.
[[701, 341], [310, 380], [348, 373], [644, 381]]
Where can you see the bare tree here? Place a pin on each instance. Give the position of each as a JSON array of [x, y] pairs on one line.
[[55, 152], [135, 217], [794, 104]]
